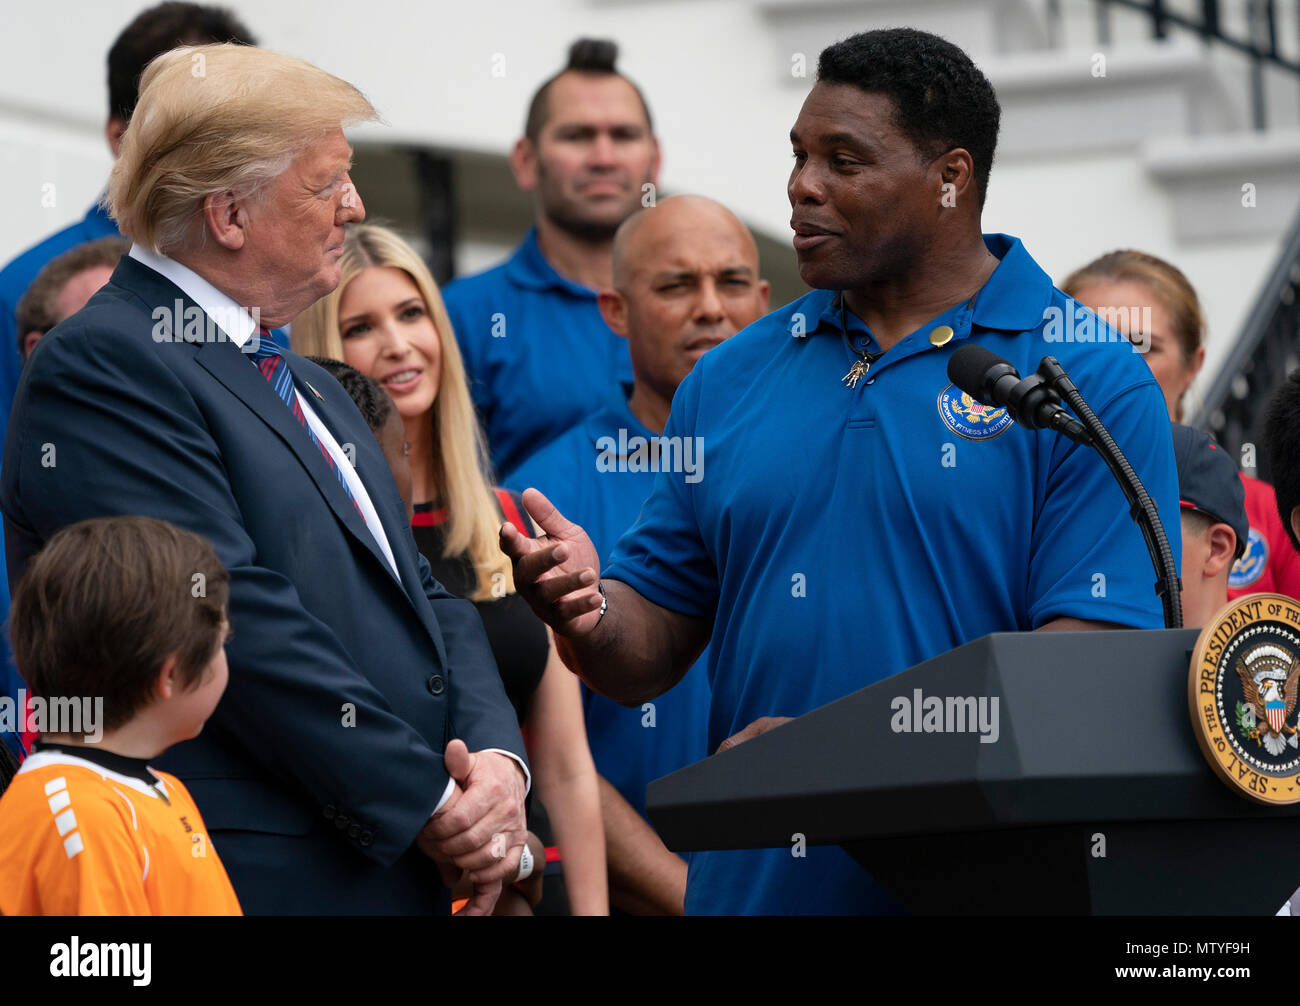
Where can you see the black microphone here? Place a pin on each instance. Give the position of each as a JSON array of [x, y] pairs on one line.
[[1035, 403], [1031, 401]]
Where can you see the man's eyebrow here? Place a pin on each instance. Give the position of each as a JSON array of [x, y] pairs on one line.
[[343, 169], [672, 274], [630, 125], [832, 139]]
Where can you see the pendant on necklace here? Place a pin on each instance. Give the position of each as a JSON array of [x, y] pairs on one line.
[[855, 373]]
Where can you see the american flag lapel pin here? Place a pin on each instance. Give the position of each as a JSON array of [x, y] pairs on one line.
[[314, 391]]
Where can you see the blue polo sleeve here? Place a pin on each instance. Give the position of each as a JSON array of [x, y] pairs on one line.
[[1088, 558], [464, 308], [663, 556]]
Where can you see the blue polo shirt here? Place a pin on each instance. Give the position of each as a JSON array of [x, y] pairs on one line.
[[17, 276], [599, 484], [840, 535], [539, 356]]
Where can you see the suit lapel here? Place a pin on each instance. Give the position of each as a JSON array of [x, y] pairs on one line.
[[370, 460], [224, 361], [310, 388]]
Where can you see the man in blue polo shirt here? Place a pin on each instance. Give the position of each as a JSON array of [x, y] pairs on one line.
[[537, 352], [154, 31], [857, 514], [685, 279]]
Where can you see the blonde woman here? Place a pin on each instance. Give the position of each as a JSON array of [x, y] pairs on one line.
[[386, 319]]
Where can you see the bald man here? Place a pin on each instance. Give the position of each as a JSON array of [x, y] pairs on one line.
[[686, 277]]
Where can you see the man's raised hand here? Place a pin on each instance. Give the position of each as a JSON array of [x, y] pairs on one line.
[[557, 573]]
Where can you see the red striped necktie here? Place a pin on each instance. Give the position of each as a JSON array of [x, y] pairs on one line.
[[275, 368]]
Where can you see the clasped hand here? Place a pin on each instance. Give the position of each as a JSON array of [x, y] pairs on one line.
[[481, 828]]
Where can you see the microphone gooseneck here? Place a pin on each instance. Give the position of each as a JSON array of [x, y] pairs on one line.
[[1035, 403]]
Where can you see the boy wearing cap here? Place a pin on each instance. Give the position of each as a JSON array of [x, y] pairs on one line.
[[1213, 510]]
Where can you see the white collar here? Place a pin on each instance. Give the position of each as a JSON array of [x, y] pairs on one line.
[[43, 759], [233, 318]]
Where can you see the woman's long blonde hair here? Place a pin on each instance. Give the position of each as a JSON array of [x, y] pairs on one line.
[[460, 459]]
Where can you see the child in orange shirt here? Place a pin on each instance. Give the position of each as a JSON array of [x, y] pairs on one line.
[[122, 619]]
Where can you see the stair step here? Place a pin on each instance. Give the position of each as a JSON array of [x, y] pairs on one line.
[[983, 28], [1059, 103], [1206, 180]]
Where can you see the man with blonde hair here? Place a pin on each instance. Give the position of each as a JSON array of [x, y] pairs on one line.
[[338, 767], [152, 32]]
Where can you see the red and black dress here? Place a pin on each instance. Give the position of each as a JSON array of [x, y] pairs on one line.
[[519, 644]]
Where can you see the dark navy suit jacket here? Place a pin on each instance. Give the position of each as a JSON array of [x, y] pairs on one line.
[[324, 757]]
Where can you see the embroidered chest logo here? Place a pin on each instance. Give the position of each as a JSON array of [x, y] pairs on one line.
[[968, 418], [1250, 567]]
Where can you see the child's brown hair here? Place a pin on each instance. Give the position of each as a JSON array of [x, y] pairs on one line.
[[104, 604]]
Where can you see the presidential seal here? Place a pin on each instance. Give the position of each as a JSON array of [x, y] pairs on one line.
[[970, 419], [1242, 689]]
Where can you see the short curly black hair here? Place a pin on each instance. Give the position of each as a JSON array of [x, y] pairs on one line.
[[1282, 446], [941, 98], [373, 402]]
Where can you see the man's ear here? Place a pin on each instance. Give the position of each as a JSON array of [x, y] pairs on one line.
[[1223, 548], [226, 219], [764, 294], [29, 342], [523, 164], [613, 308], [168, 682], [956, 178], [113, 131]]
